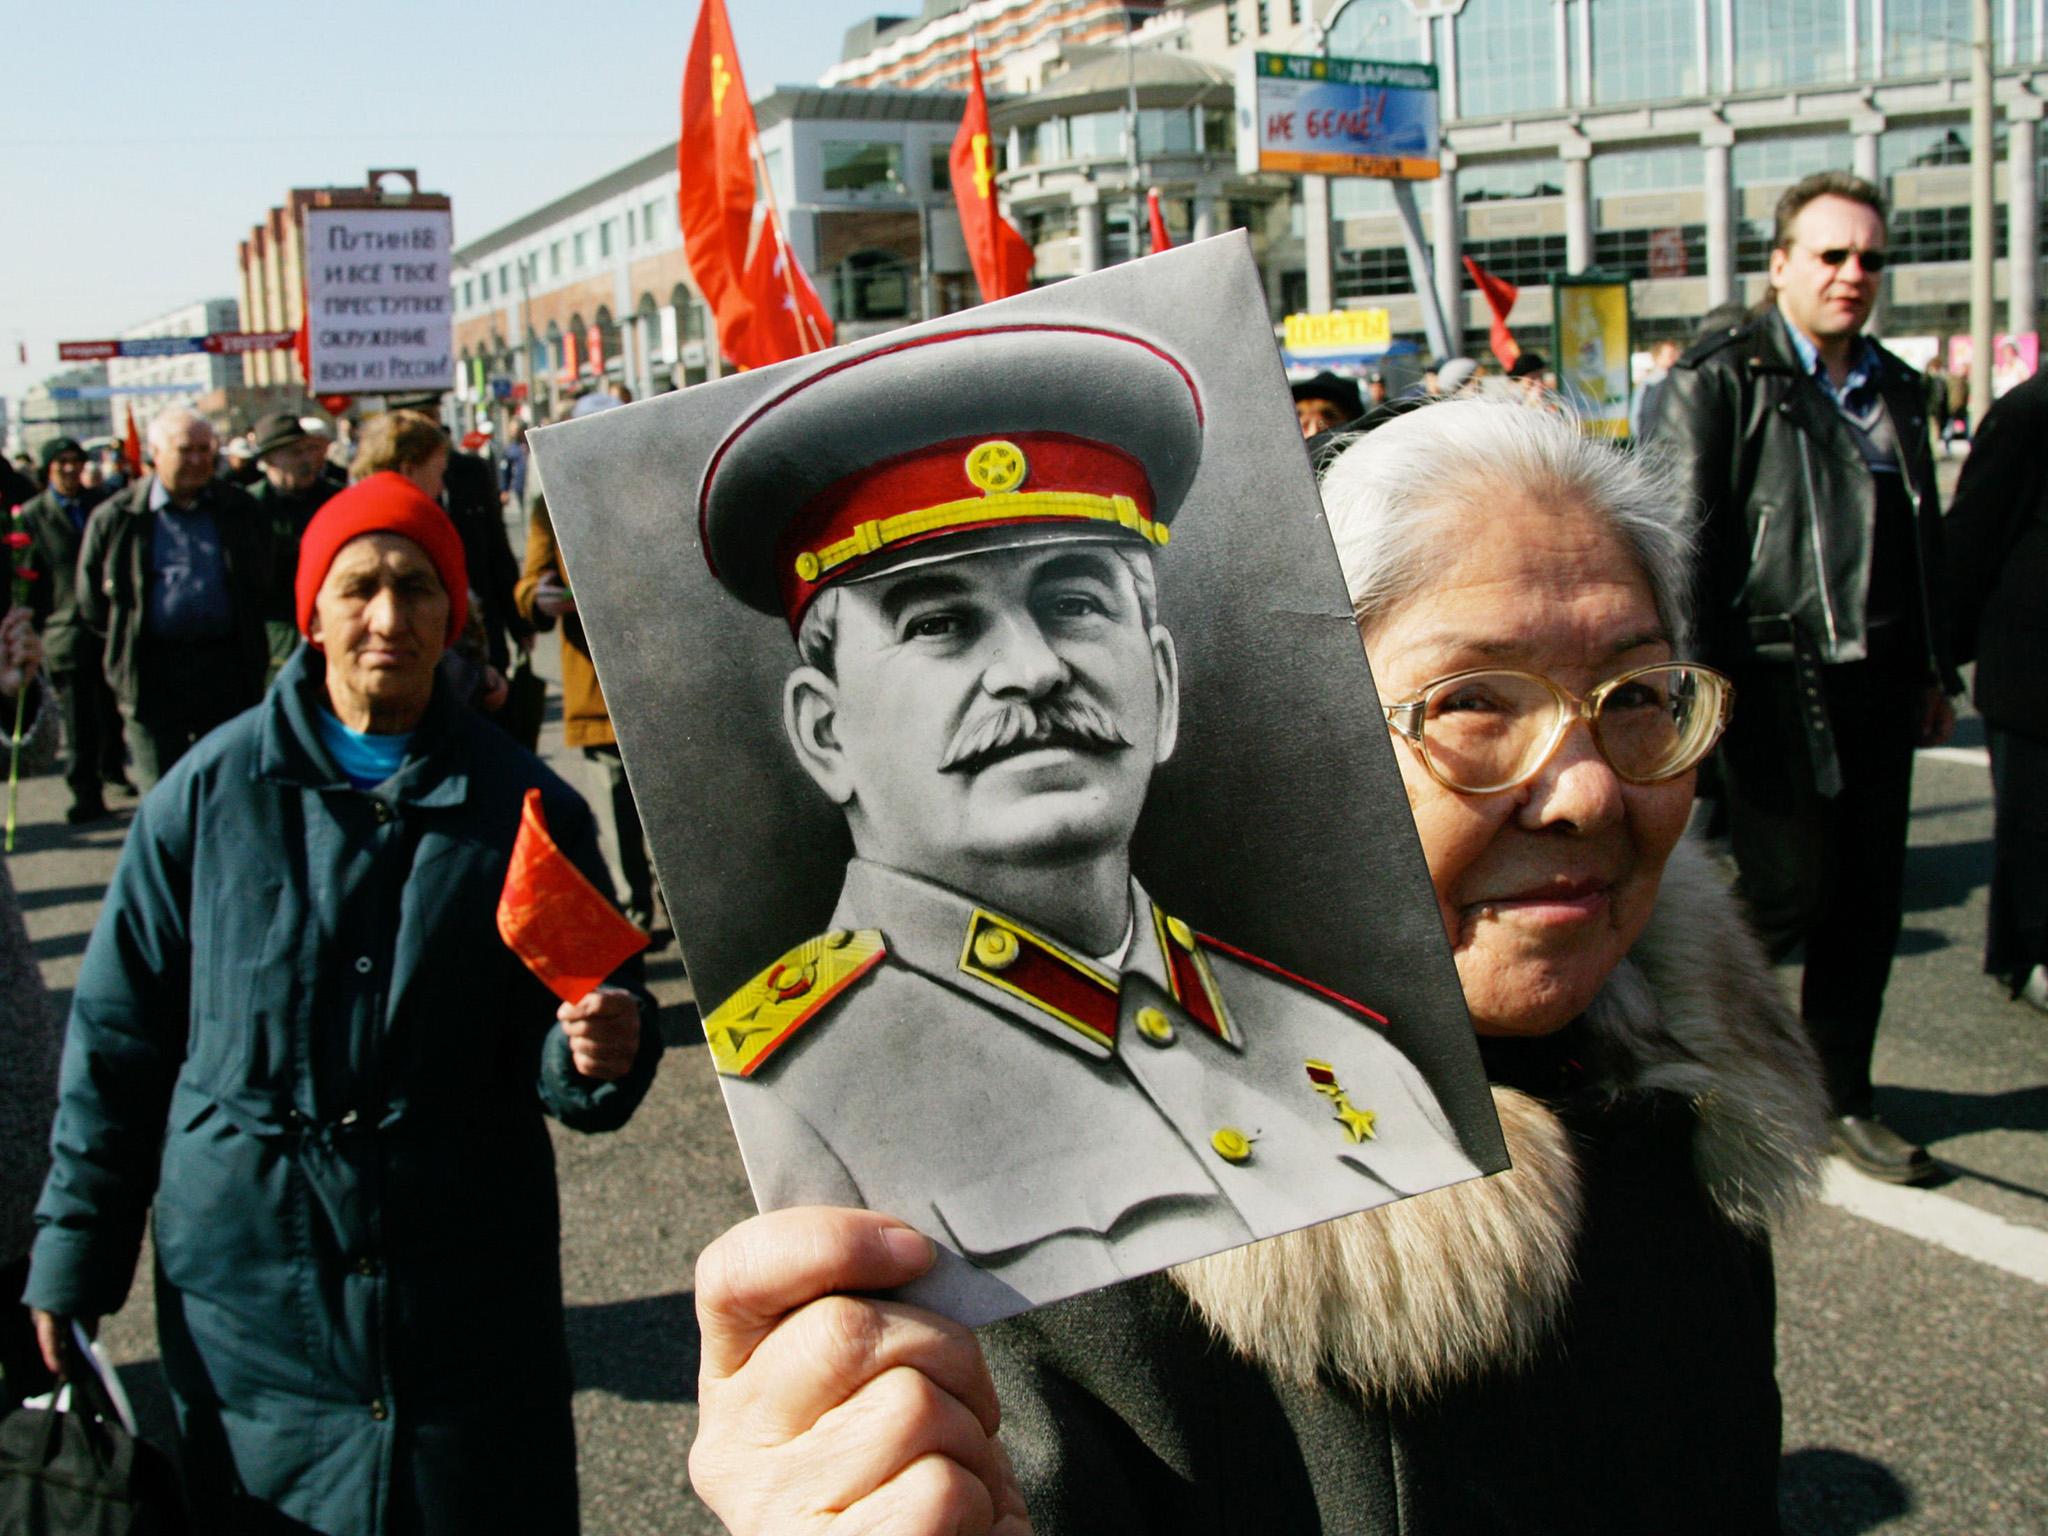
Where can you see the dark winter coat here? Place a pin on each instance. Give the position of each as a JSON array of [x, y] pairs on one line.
[[1997, 549], [297, 1031], [55, 559], [115, 571], [1582, 1344]]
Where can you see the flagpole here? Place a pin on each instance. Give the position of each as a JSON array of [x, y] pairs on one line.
[[806, 327]]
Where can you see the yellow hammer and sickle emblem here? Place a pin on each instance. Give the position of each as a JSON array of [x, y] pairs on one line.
[[721, 80], [984, 173]]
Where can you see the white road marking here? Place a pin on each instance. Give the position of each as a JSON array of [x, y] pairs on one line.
[[1976, 757], [1937, 1219]]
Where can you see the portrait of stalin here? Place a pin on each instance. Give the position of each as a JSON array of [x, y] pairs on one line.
[[1003, 1037]]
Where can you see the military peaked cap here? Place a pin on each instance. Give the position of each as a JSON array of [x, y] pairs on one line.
[[1063, 430]]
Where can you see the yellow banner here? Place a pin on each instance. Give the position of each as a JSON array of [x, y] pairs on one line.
[[1592, 354], [1342, 330]]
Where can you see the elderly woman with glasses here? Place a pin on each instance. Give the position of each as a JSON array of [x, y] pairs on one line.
[[1581, 1344]]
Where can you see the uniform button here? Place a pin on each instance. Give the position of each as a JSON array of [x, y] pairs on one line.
[[995, 948], [379, 1411], [364, 965], [380, 810], [366, 1266], [1232, 1145], [1155, 1026], [349, 1117], [1183, 935]]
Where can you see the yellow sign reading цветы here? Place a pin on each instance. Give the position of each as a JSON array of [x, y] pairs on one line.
[[1342, 330]]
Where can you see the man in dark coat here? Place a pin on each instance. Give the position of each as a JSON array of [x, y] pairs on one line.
[[56, 520], [298, 1033], [1997, 587], [291, 486], [470, 493], [173, 581], [1805, 444]]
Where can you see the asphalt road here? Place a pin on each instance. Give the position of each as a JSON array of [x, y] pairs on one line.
[[1913, 1339]]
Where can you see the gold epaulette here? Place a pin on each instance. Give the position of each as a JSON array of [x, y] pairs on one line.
[[751, 1025]]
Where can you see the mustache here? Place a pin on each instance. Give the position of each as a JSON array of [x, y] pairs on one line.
[[1019, 725]]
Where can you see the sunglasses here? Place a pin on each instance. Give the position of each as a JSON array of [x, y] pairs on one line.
[[1838, 256]]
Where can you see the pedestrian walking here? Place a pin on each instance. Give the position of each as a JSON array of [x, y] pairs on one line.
[[291, 485], [173, 581], [1997, 587], [300, 1046], [1805, 445], [56, 520]]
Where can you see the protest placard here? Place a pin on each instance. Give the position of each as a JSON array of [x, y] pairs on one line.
[[378, 298]]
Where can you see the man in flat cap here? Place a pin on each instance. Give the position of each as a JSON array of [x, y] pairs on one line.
[[292, 486], [1002, 1037]]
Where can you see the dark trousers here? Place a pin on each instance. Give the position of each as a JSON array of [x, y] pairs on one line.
[[1827, 871], [619, 833], [92, 731], [186, 689], [2017, 940]]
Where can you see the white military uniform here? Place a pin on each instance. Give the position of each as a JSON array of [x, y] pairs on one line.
[[1062, 1123]]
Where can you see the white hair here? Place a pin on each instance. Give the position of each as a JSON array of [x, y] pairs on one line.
[[819, 631], [167, 422], [1390, 493]]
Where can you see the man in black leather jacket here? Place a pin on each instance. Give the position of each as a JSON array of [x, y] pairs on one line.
[[1806, 445]]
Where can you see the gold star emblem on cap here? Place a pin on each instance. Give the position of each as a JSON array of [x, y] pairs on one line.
[[996, 465]]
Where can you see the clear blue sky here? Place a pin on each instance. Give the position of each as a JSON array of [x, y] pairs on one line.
[[139, 141]]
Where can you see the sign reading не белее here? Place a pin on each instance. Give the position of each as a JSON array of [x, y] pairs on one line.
[[379, 301], [1317, 116]]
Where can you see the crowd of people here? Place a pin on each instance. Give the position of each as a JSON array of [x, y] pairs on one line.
[[298, 1046]]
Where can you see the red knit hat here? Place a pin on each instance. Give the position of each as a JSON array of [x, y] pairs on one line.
[[385, 502]]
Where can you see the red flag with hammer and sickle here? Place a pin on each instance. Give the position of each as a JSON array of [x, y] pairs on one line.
[[554, 919], [1001, 257]]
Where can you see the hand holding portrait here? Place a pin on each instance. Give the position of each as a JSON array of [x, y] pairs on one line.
[[603, 1027], [823, 1410]]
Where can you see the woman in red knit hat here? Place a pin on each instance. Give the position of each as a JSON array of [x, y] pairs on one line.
[[297, 1032]]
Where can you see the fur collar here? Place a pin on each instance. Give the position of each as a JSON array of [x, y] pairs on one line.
[[1404, 1299]]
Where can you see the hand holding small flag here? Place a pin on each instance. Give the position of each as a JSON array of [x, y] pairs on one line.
[[571, 937]]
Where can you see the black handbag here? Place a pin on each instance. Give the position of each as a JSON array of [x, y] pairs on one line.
[[78, 1472], [526, 704]]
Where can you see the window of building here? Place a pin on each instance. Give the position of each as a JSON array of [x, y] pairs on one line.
[[505, 278], [1926, 37], [1758, 161], [1096, 136], [1219, 131], [1789, 42], [579, 248], [484, 287], [652, 223], [1265, 17], [1501, 179], [1643, 50], [1912, 149], [1507, 57], [1666, 168], [1294, 12], [874, 285], [468, 293], [1676, 251], [1354, 196], [862, 165], [1526, 260], [1040, 143], [1936, 234], [607, 237], [1164, 131], [1232, 24], [1050, 224], [1372, 273], [940, 165], [1377, 29]]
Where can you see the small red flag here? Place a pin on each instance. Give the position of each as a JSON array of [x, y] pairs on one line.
[[784, 317], [1161, 240], [1000, 256], [302, 345], [131, 446], [554, 919], [1500, 298]]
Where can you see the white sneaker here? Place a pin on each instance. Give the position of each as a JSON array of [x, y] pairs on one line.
[[2035, 990]]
